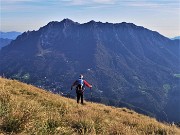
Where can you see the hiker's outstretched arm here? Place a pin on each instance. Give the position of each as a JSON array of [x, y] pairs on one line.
[[87, 84], [73, 85]]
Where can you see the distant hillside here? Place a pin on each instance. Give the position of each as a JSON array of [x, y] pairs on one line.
[[128, 65], [9, 35], [4, 42], [178, 37], [25, 109]]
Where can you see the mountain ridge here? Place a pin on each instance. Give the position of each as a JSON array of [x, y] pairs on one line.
[[176, 38], [9, 35]]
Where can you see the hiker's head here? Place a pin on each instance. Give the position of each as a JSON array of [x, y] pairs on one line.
[[81, 76]]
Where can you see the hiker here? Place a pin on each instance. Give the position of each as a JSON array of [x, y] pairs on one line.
[[80, 84]]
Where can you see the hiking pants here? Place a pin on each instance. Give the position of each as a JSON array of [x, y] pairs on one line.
[[80, 96]]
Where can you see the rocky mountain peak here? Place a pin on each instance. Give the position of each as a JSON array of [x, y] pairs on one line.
[[68, 21]]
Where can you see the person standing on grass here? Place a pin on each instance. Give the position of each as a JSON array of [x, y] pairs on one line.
[[80, 86]]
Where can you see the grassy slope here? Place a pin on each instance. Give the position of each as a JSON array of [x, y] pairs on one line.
[[25, 109]]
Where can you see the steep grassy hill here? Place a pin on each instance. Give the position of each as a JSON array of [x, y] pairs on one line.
[[25, 109]]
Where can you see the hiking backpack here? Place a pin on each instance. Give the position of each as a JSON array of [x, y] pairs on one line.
[[80, 84]]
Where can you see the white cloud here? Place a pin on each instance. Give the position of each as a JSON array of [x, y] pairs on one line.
[[104, 1], [143, 4], [16, 1], [89, 2], [20, 6], [78, 2], [151, 4]]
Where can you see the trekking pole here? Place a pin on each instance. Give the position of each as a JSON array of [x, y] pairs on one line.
[[91, 95], [68, 94]]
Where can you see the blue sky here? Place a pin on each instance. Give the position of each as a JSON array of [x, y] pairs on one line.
[[158, 15]]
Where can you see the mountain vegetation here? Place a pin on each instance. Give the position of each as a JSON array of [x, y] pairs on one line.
[[25, 109], [128, 65]]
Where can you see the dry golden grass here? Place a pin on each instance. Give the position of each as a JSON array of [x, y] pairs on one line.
[[25, 109]]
